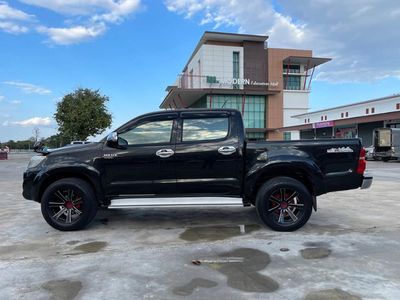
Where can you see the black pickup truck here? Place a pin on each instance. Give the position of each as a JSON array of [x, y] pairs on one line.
[[192, 157]]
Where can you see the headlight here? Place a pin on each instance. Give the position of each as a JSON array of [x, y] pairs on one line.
[[35, 161]]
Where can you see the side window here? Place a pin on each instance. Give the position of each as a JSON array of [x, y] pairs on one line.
[[154, 132], [205, 129]]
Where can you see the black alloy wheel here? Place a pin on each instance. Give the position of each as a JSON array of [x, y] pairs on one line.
[[69, 204], [284, 204]]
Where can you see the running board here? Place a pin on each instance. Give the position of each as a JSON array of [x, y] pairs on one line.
[[175, 202]]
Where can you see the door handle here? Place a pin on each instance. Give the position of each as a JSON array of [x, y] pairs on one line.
[[227, 150], [164, 153]]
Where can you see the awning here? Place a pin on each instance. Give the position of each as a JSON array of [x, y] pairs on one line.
[[183, 98], [308, 62]]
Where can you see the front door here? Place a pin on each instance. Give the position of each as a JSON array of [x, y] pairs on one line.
[[145, 163], [208, 158]]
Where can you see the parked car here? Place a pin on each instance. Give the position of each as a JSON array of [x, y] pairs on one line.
[[198, 153], [370, 153]]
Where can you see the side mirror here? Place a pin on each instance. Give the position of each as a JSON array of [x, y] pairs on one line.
[[113, 140], [38, 147], [112, 137]]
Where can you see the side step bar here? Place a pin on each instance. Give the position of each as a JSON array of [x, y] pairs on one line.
[[175, 202]]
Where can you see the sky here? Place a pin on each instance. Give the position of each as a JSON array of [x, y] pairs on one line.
[[131, 50]]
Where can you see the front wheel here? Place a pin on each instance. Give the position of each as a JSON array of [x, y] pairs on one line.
[[284, 204], [69, 204]]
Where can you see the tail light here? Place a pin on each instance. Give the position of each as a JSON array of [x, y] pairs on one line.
[[362, 163]]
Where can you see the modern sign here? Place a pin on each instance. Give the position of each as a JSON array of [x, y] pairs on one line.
[[323, 124], [246, 81]]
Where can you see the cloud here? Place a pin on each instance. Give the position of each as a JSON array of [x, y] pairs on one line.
[[2, 98], [28, 88], [360, 35], [9, 13], [16, 102], [35, 121], [11, 19], [5, 123], [90, 18], [72, 35], [13, 28]]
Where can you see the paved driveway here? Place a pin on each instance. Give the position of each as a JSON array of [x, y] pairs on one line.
[[348, 250]]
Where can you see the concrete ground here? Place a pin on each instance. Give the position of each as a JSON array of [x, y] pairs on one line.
[[348, 250]]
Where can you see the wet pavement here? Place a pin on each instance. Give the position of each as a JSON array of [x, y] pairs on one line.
[[348, 250]]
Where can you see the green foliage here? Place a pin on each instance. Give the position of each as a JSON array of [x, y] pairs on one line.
[[54, 141], [81, 114], [26, 144]]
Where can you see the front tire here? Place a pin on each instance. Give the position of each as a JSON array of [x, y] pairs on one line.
[[69, 204], [284, 204]]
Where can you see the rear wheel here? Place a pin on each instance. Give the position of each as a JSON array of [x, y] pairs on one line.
[[385, 159], [284, 204], [69, 204]]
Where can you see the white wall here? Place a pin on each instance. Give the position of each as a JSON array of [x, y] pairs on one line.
[[356, 110], [294, 103], [216, 61]]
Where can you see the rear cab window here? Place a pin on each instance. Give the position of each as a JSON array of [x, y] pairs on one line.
[[205, 129]]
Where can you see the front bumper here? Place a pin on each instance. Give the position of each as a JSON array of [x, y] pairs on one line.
[[367, 181], [27, 185]]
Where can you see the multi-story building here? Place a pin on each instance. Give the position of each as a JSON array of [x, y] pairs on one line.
[[355, 120], [268, 85]]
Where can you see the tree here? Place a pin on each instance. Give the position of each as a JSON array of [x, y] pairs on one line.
[[81, 114]]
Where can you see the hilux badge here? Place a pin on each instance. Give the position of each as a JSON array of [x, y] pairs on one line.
[[340, 150]]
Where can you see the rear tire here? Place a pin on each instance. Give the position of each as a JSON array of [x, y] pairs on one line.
[[69, 204], [284, 204], [385, 159]]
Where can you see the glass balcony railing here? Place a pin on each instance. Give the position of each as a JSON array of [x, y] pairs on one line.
[[189, 81]]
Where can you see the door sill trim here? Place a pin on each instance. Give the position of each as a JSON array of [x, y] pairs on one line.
[[175, 202]]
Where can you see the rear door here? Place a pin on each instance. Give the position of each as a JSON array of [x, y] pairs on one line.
[[208, 158]]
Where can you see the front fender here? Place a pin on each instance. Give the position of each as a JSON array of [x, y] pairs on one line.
[[79, 170]]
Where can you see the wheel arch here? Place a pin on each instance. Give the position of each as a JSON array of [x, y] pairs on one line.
[[301, 174], [50, 177]]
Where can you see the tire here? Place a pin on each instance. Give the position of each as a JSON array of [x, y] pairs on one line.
[[290, 214], [69, 204], [385, 159]]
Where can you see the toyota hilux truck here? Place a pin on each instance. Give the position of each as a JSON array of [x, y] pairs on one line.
[[192, 157]]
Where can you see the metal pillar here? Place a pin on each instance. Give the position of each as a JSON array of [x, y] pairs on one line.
[[287, 74], [305, 78], [312, 74]]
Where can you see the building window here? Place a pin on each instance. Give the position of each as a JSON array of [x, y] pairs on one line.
[[347, 114], [236, 73], [291, 69], [367, 111], [398, 106], [342, 115], [372, 110], [254, 107], [322, 118], [287, 136], [291, 82], [308, 120], [305, 121], [254, 136], [326, 118]]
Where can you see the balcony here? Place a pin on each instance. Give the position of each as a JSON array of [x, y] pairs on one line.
[[189, 81]]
